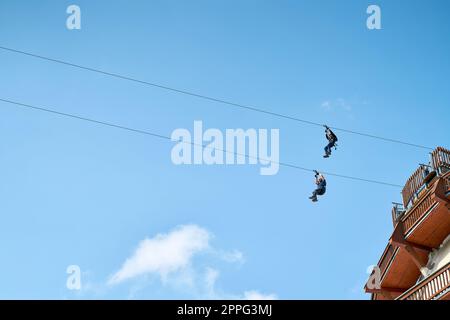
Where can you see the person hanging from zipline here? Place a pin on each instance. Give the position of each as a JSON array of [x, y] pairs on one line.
[[321, 186], [332, 139]]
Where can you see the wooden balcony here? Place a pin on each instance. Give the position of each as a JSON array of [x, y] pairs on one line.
[[398, 272], [427, 223], [425, 175], [434, 287], [417, 231], [440, 159], [413, 186]]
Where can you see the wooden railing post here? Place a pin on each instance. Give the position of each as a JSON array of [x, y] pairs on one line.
[[431, 287]]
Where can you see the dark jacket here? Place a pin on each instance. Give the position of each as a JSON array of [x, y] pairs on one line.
[[330, 135]]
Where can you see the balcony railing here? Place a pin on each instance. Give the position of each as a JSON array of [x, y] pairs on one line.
[[397, 212], [440, 164], [413, 186], [386, 258], [415, 213], [440, 159], [425, 203], [447, 186], [431, 287]]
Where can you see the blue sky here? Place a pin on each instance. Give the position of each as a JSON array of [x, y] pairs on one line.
[[74, 193]]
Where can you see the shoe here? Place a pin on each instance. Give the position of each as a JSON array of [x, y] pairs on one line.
[[312, 197], [326, 156], [314, 200]]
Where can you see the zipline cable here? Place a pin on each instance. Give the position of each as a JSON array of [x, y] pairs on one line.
[[156, 135], [204, 97]]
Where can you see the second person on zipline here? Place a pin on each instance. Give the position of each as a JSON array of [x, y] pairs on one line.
[[321, 186], [332, 139]]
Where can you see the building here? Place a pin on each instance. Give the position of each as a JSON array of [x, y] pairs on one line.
[[415, 264]]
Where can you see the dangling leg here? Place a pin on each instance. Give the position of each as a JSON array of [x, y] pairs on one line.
[[327, 150], [314, 196]]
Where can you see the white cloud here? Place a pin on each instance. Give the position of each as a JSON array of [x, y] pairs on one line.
[[339, 104], [171, 257], [164, 254], [344, 104], [326, 105], [211, 276], [255, 295], [232, 256]]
